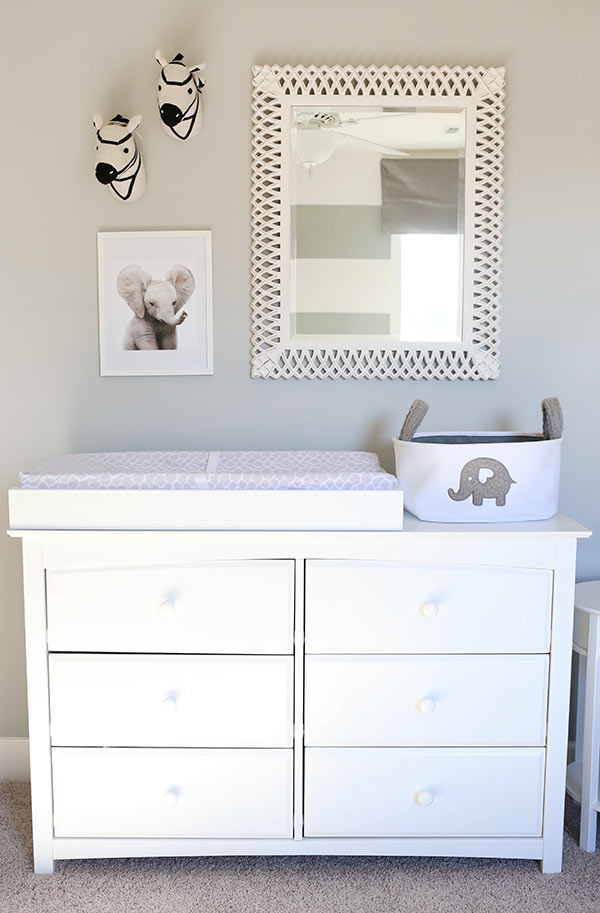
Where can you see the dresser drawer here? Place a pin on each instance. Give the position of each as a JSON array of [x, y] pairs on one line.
[[397, 792], [127, 792], [426, 700], [196, 701], [215, 607], [386, 607]]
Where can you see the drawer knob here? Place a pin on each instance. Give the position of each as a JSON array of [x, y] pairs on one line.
[[166, 609], [429, 610], [170, 798], [426, 705], [424, 798], [169, 703]]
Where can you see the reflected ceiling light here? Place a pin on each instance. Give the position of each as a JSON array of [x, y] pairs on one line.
[[313, 147], [317, 136]]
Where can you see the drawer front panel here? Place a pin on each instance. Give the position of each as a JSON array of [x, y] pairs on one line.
[[397, 792], [385, 607], [426, 700], [216, 607], [211, 701], [120, 792]]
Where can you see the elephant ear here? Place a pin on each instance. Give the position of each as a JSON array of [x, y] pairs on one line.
[[184, 283], [132, 283]]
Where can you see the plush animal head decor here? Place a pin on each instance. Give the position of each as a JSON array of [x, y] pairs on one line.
[[156, 304], [178, 95], [119, 162]]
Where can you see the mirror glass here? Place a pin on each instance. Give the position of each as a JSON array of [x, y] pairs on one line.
[[377, 218]]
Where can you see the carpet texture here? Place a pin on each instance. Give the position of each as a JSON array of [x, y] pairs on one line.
[[288, 885]]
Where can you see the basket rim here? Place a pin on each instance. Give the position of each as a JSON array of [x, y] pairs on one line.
[[478, 437]]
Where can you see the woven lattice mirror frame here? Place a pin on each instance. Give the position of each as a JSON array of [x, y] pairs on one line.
[[481, 92]]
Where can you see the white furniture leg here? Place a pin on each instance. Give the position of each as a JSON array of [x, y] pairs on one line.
[[580, 708], [558, 707], [591, 741], [38, 701]]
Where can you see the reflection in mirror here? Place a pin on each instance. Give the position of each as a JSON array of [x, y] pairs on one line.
[[377, 222]]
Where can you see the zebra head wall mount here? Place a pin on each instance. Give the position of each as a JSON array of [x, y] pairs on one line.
[[178, 95], [119, 165]]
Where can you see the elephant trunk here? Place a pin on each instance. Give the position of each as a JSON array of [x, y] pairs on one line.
[[461, 495], [171, 319]]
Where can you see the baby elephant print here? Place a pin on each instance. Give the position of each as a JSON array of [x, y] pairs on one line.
[[483, 478], [157, 306]]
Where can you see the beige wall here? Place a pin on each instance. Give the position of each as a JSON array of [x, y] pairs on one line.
[[64, 60]]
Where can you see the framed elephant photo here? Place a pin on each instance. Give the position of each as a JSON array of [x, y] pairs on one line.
[[155, 302]]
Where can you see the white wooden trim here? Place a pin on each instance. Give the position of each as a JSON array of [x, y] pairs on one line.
[[199, 509], [483, 847], [591, 746], [14, 760], [299, 700], [67, 550], [38, 704], [559, 686]]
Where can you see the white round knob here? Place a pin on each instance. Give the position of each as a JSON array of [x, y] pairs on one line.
[[429, 610], [426, 705], [166, 609], [169, 703], [424, 798], [170, 798]]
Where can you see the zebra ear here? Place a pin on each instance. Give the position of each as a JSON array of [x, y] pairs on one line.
[[160, 58], [97, 121], [134, 122], [197, 67]]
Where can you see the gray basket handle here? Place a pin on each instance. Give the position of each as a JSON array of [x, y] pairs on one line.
[[552, 418], [414, 417]]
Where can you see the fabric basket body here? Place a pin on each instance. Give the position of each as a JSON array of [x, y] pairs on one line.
[[479, 478]]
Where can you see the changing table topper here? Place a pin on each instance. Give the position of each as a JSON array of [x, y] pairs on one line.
[[234, 469], [234, 489]]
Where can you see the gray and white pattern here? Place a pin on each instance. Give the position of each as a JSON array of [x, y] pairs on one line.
[[234, 469]]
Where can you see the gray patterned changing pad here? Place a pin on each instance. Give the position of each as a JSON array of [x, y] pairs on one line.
[[231, 469]]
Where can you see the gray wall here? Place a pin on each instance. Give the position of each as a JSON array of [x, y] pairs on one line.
[[65, 60]]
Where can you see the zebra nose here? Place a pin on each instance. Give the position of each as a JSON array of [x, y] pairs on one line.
[[170, 115], [105, 173]]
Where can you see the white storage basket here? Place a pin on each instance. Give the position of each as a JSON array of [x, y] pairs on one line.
[[475, 478]]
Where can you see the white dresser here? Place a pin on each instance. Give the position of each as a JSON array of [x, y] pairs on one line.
[[236, 692]]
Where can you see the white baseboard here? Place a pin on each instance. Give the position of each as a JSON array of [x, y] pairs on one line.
[[14, 760]]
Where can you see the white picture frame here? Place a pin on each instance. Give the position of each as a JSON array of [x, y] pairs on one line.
[[189, 346]]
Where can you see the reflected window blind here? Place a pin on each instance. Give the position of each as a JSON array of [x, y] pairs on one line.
[[422, 196]]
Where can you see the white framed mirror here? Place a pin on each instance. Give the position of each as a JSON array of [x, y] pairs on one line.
[[376, 222]]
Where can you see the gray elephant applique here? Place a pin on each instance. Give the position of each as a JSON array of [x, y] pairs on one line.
[[496, 485]]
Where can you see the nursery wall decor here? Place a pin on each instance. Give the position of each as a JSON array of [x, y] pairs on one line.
[[119, 164], [179, 96], [377, 221], [164, 278]]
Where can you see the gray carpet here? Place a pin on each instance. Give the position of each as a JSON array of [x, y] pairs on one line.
[[288, 885]]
